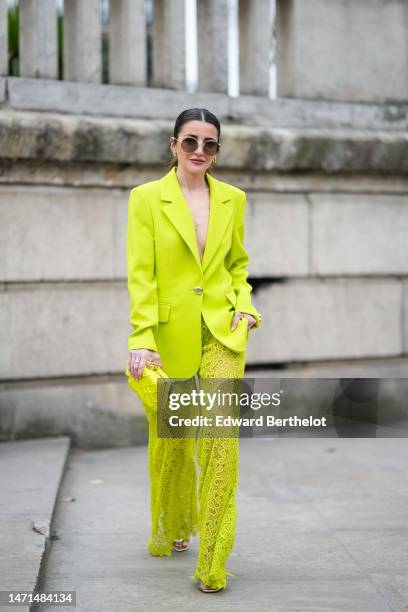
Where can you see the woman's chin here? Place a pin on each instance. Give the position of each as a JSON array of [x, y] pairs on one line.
[[197, 168]]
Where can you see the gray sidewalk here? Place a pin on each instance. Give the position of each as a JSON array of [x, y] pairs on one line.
[[322, 526]]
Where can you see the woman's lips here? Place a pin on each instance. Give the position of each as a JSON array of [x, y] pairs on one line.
[[197, 161]]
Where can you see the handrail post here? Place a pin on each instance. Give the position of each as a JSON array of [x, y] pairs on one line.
[[212, 35], [82, 41], [38, 39], [255, 44], [127, 42], [169, 48]]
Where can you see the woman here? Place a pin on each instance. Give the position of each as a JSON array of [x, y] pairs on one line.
[[191, 312]]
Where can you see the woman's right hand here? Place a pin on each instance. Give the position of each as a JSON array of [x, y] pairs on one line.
[[137, 361]]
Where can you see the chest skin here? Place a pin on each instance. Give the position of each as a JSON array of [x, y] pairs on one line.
[[199, 205]]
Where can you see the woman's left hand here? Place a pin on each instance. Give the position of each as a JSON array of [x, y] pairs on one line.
[[241, 315]]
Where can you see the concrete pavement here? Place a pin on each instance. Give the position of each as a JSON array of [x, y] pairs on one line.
[[322, 527]]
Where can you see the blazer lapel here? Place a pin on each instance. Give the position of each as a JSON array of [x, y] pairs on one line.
[[177, 210]]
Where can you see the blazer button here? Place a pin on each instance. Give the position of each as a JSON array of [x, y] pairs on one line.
[[198, 290]]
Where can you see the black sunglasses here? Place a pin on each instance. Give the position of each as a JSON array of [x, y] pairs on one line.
[[190, 144]]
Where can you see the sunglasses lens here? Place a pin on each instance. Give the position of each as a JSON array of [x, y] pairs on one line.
[[211, 147], [189, 144]]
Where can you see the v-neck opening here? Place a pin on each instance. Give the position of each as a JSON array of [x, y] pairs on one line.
[[200, 260]]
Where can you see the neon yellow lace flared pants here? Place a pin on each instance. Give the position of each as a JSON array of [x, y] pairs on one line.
[[178, 510]]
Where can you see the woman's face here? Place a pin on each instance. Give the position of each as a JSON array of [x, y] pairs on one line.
[[196, 162]]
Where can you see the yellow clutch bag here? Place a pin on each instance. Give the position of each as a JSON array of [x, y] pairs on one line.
[[147, 388]]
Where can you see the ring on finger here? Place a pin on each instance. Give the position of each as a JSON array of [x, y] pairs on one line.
[[151, 363]]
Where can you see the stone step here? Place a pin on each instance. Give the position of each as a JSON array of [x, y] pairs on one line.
[[31, 472]]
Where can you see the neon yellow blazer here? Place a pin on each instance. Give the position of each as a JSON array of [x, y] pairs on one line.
[[170, 287]]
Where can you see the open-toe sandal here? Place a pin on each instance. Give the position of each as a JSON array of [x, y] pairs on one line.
[[181, 548], [202, 587]]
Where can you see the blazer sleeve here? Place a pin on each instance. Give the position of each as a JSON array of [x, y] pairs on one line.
[[237, 262], [142, 285]]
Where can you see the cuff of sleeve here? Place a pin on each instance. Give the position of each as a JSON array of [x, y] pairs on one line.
[[142, 340]]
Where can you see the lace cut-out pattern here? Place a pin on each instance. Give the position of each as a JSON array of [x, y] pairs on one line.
[[178, 508]]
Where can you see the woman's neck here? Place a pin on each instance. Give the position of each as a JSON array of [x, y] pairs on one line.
[[191, 181]]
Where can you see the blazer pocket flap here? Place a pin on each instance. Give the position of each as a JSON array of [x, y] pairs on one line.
[[164, 312], [232, 297]]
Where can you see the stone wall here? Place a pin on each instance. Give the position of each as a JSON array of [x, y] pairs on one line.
[[326, 228]]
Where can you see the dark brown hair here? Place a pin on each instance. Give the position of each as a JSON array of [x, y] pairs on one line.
[[194, 114]]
